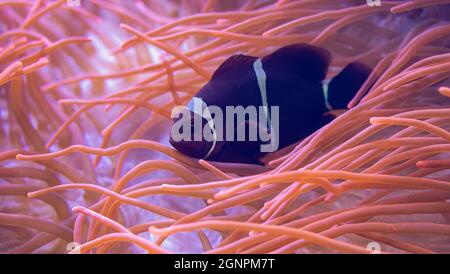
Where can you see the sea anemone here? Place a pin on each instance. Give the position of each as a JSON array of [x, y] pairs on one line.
[[87, 88]]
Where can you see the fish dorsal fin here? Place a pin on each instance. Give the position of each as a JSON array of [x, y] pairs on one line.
[[233, 64], [306, 61]]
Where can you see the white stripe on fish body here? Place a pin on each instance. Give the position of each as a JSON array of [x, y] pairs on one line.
[[198, 106], [261, 77], [325, 89]]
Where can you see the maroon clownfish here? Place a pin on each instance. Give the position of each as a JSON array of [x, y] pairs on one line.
[[292, 79]]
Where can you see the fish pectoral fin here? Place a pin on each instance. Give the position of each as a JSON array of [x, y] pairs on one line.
[[249, 145], [234, 62], [307, 61]]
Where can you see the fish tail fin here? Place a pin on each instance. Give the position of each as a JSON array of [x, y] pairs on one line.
[[344, 86]]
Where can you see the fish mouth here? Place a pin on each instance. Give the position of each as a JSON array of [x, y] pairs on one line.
[[194, 149], [191, 147]]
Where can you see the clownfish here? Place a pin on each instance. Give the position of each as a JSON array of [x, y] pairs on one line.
[[292, 79]]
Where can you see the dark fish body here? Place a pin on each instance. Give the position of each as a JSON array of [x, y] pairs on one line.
[[290, 78]]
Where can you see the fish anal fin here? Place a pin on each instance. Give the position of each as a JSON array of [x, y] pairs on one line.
[[335, 113]]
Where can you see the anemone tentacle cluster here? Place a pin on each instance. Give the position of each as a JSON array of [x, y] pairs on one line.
[[86, 94]]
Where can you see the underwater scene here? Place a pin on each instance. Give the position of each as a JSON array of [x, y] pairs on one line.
[[224, 126]]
